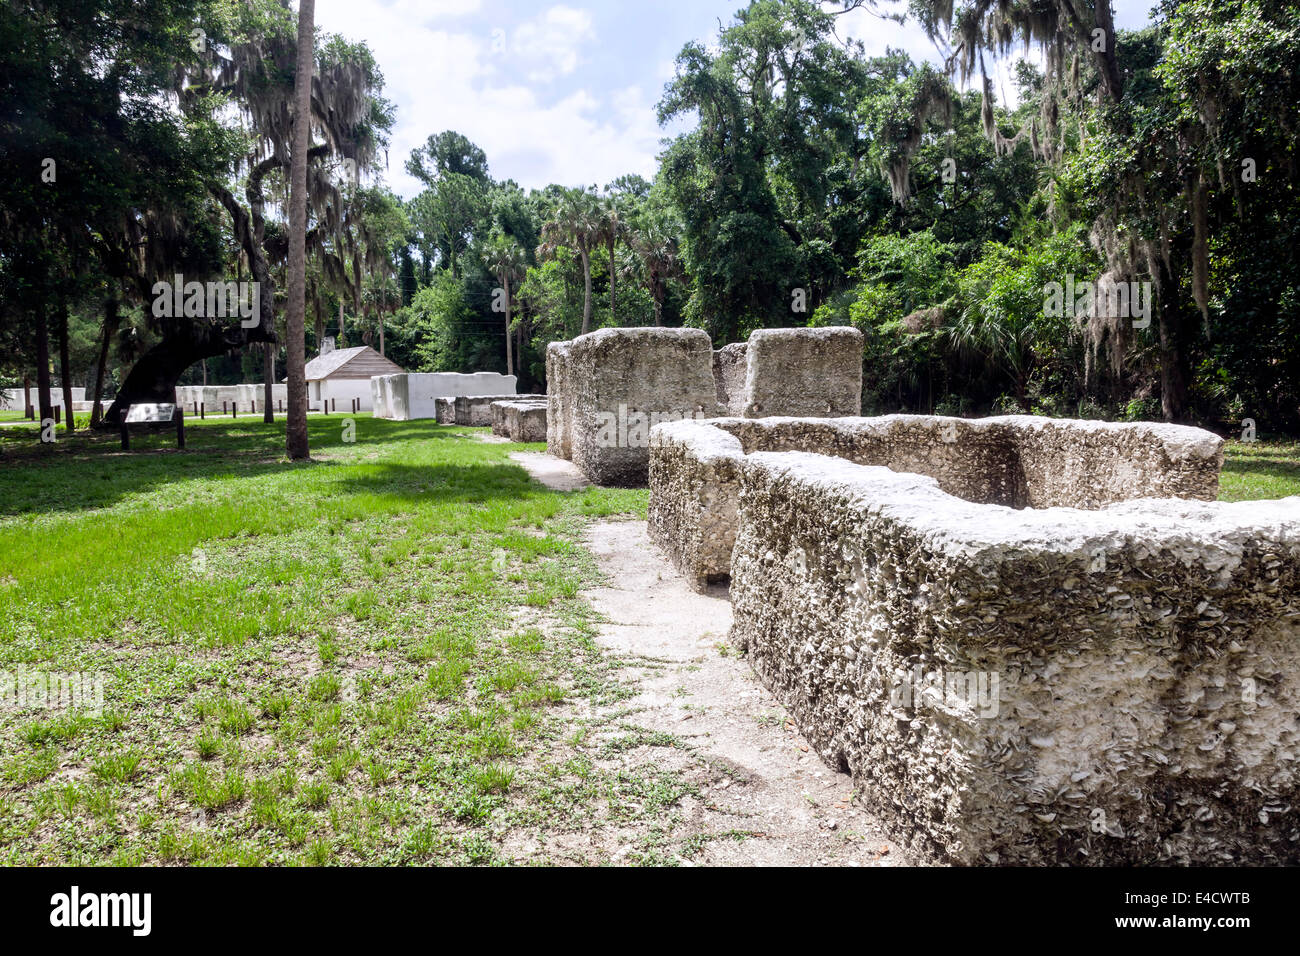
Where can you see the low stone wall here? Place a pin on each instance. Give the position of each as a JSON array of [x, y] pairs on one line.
[[414, 395], [446, 411], [501, 415], [213, 396], [476, 410], [252, 397], [803, 372], [609, 388], [523, 421], [1018, 461], [1043, 686]]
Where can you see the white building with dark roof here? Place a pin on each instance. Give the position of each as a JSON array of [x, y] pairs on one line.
[[340, 375]]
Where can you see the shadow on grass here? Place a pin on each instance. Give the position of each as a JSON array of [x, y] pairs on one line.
[[472, 483], [89, 470]]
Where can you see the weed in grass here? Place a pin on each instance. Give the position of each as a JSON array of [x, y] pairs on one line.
[[31, 767], [235, 719], [342, 764], [491, 743], [119, 767], [447, 678], [205, 789], [324, 687], [276, 706], [208, 744], [60, 729], [315, 795], [528, 641], [524, 720], [513, 676], [378, 771], [494, 778], [319, 853]]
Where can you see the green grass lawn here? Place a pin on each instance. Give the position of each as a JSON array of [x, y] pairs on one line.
[[360, 659], [376, 657], [1260, 470]]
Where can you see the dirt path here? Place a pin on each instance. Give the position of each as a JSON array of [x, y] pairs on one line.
[[795, 809], [764, 797], [555, 473]]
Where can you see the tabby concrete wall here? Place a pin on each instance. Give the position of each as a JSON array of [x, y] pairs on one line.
[[609, 388], [557, 416], [803, 372], [1041, 686], [729, 370], [1018, 461], [476, 410], [523, 421]]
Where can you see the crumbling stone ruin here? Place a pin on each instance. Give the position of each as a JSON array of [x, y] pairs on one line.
[[810, 373], [1029, 641], [521, 421], [609, 388], [446, 410], [476, 410], [414, 395], [729, 369], [1017, 461]]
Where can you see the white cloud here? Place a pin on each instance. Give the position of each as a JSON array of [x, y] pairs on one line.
[[446, 73], [549, 45]]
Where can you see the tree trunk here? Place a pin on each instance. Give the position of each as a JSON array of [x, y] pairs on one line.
[[379, 313], [1175, 370], [613, 316], [510, 363], [342, 342], [65, 369], [112, 318], [43, 366], [586, 282], [27, 394], [268, 395], [154, 376], [296, 309]]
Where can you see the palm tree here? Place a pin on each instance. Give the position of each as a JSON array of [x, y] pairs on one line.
[[575, 224], [659, 259], [296, 307], [252, 67], [614, 229], [507, 260]]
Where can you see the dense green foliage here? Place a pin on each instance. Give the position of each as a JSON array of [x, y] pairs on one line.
[[814, 185]]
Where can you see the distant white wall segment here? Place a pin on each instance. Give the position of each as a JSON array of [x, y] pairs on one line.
[[413, 395]]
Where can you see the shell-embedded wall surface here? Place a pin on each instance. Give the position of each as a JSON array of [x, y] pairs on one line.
[[1032, 685], [1018, 461], [609, 388]]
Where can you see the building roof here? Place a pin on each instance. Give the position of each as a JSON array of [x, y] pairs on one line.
[[359, 362]]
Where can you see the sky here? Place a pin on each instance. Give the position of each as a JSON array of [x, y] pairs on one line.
[[560, 92]]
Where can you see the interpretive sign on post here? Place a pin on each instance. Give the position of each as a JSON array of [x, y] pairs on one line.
[[153, 417]]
